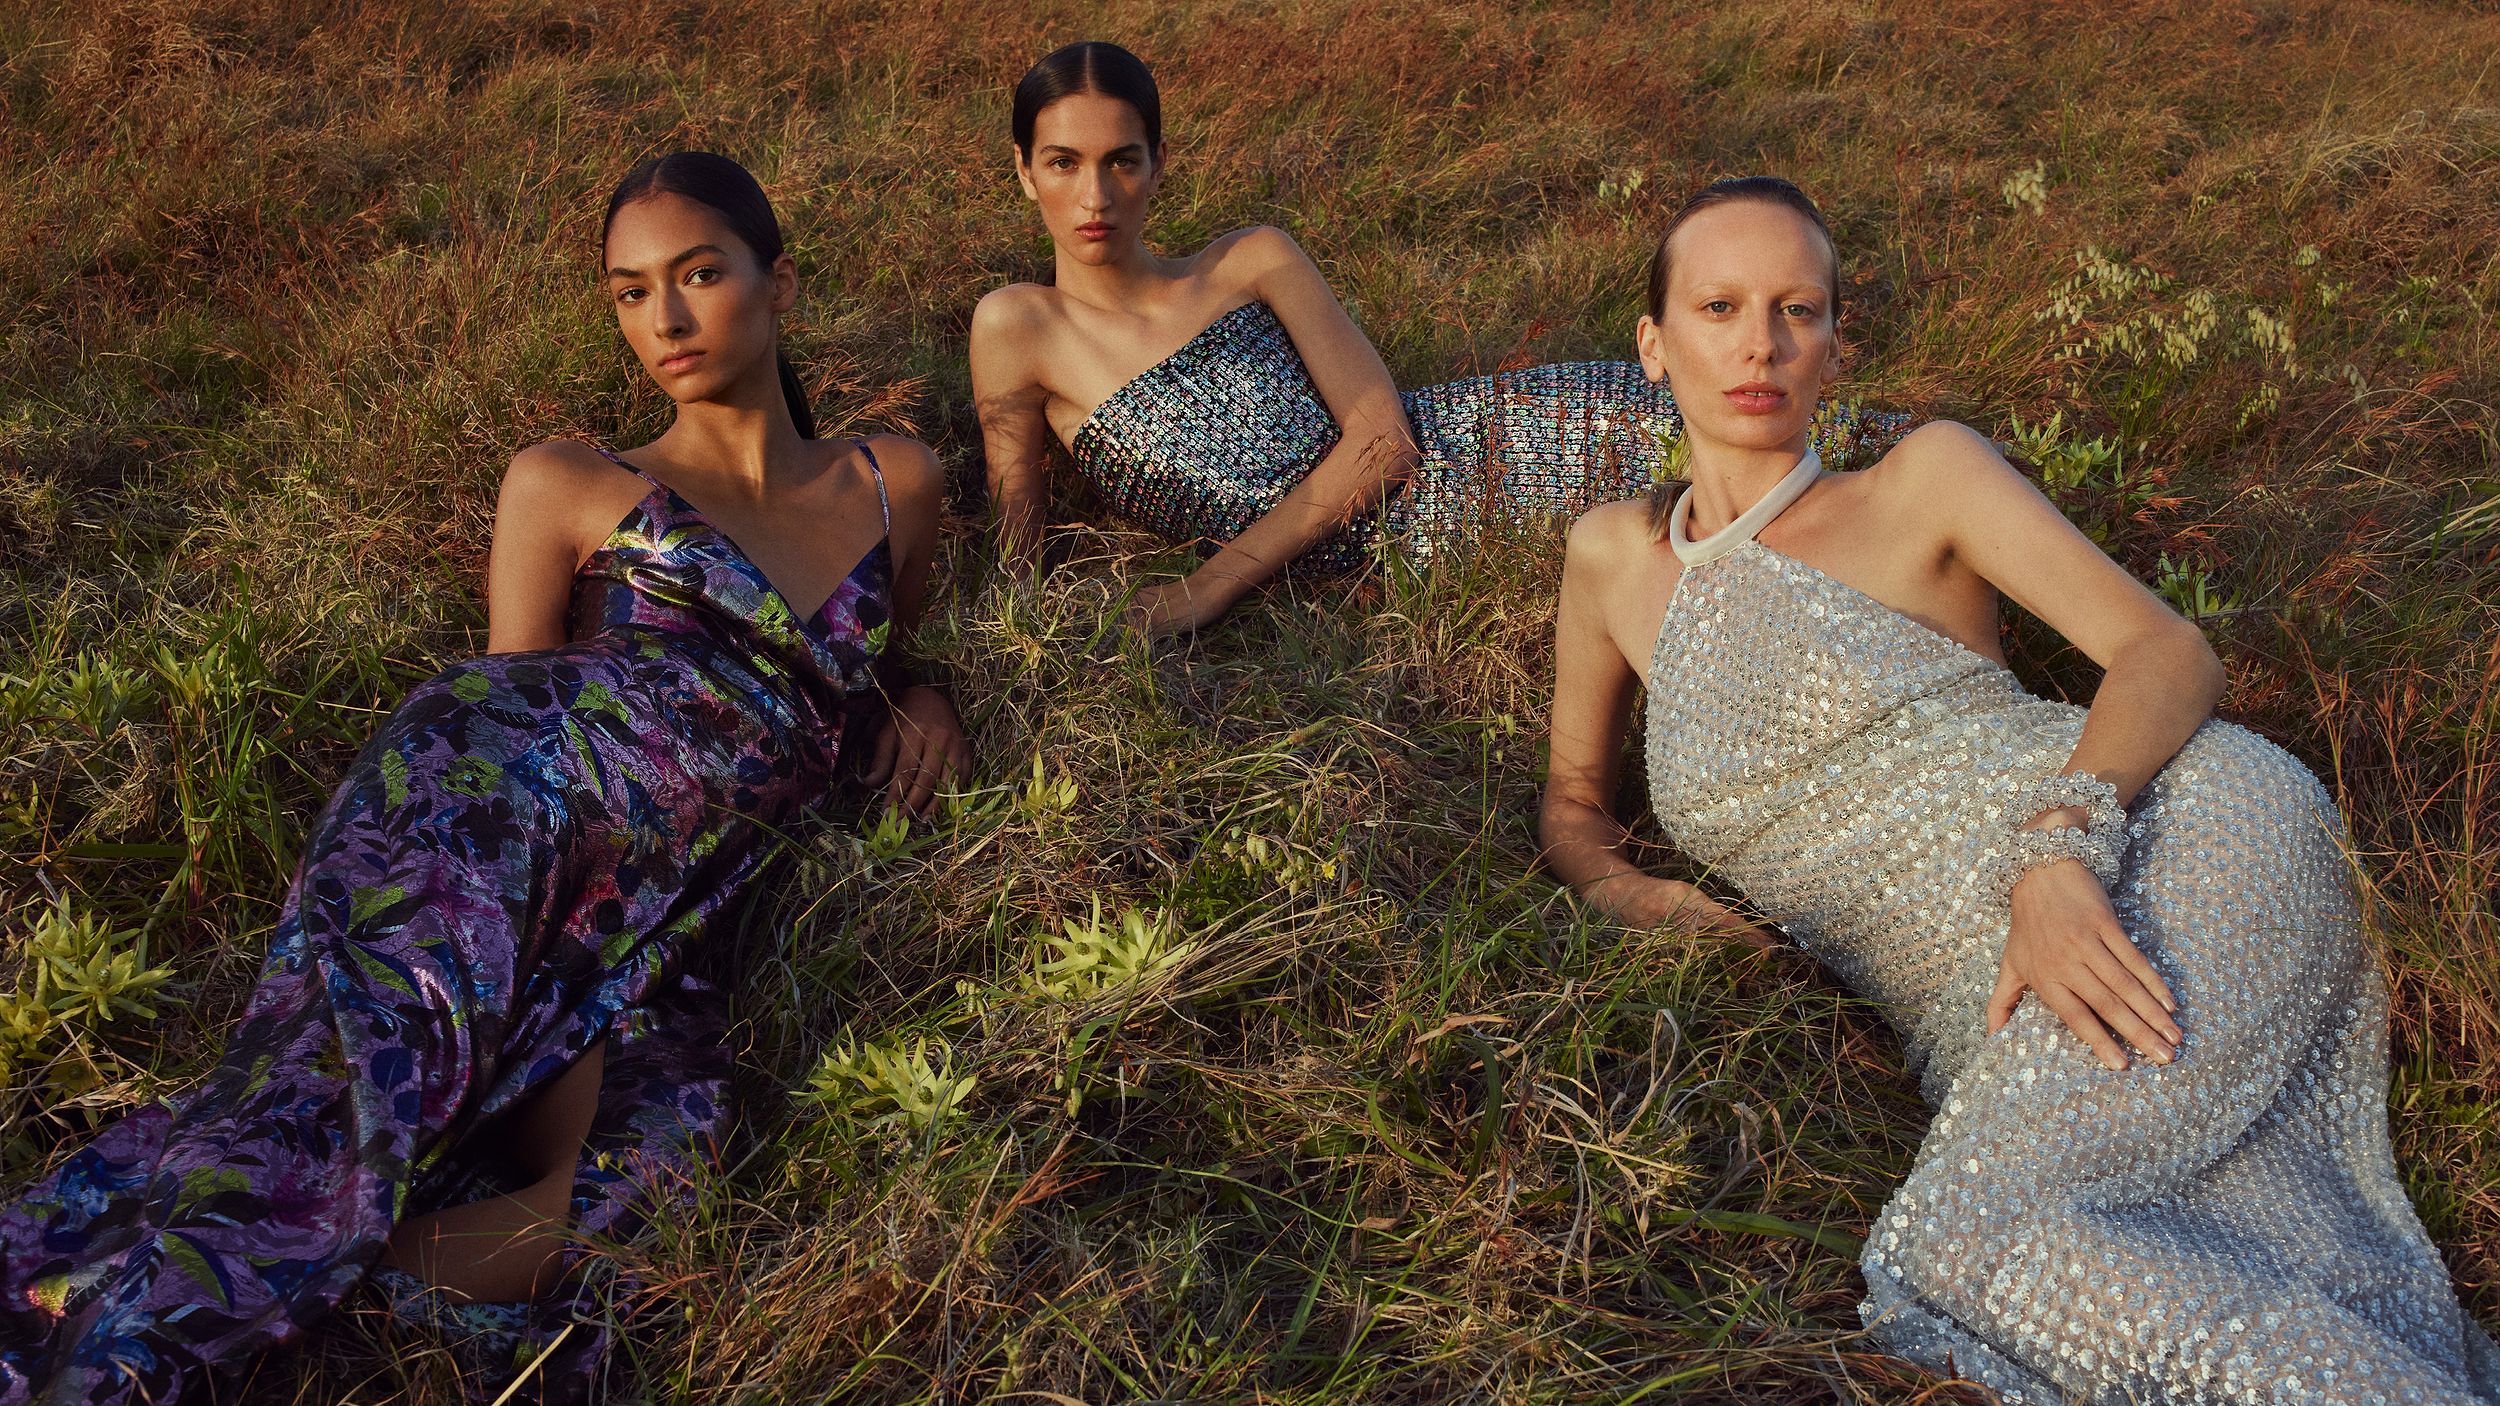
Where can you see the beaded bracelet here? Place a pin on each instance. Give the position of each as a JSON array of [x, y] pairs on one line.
[[2027, 850], [2098, 799], [2098, 848]]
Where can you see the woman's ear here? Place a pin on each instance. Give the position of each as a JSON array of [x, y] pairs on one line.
[[1024, 173], [784, 275], [1651, 341], [1834, 364]]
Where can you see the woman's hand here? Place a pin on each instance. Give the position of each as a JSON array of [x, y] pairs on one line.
[[922, 746], [1173, 608], [2065, 943], [1641, 900]]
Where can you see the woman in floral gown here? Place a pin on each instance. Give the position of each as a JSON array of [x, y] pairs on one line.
[[476, 1039]]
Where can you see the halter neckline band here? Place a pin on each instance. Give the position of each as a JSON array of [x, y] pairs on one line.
[[1749, 522]]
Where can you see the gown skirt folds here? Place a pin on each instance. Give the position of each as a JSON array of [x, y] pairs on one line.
[[519, 865], [1203, 443], [2228, 1228]]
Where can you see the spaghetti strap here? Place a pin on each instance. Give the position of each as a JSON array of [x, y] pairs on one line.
[[885, 510], [619, 460]]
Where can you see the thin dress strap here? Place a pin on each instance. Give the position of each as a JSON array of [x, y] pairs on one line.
[[885, 510], [619, 460]]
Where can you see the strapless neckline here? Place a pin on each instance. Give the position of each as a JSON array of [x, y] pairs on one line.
[[1093, 420]]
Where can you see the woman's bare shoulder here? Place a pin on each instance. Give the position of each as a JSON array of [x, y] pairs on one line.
[[1245, 259], [1014, 309], [560, 469], [911, 469], [1613, 537]]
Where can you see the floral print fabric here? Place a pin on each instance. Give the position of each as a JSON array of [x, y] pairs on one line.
[[517, 866]]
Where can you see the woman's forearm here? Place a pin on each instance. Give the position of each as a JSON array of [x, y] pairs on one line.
[[1020, 516], [1344, 485], [2155, 694], [1584, 847]]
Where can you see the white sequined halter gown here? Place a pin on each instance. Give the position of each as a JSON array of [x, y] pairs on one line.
[[2228, 1228]]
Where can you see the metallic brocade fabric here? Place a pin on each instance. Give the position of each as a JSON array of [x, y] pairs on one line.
[[2228, 1228], [1206, 441]]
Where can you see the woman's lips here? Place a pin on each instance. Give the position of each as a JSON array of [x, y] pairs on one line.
[[676, 362], [1094, 229], [1756, 398]]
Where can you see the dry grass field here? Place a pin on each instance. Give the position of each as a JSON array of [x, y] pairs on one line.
[[1353, 1105]]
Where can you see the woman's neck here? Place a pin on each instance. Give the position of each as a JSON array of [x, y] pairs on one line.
[[1728, 479], [742, 442], [1136, 279]]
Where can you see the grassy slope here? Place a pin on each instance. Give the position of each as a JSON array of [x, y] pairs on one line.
[[286, 292]]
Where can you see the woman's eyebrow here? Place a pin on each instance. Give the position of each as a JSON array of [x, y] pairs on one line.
[[713, 249]]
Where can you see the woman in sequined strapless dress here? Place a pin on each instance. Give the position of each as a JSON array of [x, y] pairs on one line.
[[1226, 398], [480, 1033], [2159, 1169]]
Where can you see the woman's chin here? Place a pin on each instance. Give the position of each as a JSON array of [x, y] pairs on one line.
[[1751, 433]]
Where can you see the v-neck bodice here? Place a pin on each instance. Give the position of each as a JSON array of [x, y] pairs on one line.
[[667, 566]]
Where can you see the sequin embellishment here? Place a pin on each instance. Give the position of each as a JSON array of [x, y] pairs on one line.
[[2227, 1228], [1206, 441]]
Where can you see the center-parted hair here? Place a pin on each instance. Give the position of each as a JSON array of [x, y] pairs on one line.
[[1767, 190], [726, 189], [1092, 66]]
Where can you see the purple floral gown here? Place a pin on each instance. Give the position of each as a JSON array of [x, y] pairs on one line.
[[515, 868]]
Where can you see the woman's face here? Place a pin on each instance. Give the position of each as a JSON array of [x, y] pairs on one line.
[[696, 305], [1092, 173], [1746, 339]]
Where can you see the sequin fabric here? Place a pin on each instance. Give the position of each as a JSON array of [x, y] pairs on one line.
[[1206, 441], [2228, 1228]]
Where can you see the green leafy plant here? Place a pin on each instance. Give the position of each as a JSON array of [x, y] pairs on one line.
[[892, 1084], [79, 973], [1088, 957]]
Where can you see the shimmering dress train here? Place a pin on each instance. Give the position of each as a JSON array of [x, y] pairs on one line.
[[2226, 1228], [1204, 442], [523, 861]]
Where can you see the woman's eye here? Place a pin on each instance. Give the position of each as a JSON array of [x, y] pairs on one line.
[[1061, 163], [630, 295], [1123, 162], [703, 275], [1718, 305], [1801, 310]]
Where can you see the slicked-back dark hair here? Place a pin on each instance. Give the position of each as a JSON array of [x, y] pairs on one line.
[[726, 189], [1767, 190], [1093, 66]]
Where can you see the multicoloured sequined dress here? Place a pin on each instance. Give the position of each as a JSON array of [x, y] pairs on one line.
[[517, 866], [1206, 441], [2225, 1228]]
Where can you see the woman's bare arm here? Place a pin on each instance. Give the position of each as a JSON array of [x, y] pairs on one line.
[[2160, 680], [1010, 400], [538, 542], [926, 746], [1603, 614], [1375, 446]]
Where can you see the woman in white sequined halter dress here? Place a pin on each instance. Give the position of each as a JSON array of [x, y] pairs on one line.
[[2120, 944]]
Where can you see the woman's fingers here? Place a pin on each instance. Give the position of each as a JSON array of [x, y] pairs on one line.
[[923, 784], [2110, 1006], [881, 754], [2124, 949], [2078, 1014], [2129, 986], [2009, 992]]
